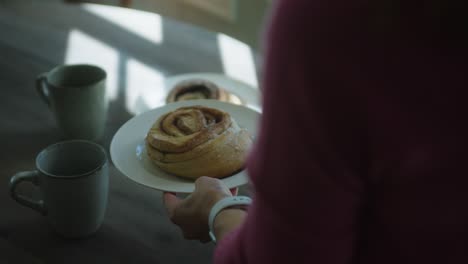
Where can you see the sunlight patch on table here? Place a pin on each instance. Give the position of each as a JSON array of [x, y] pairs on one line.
[[83, 48], [237, 60], [144, 24], [145, 88]]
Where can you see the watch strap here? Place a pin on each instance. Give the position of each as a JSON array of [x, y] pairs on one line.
[[222, 204]]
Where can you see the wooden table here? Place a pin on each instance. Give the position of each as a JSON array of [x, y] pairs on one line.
[[34, 38]]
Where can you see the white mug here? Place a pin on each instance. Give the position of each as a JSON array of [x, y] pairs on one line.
[[76, 95], [73, 179]]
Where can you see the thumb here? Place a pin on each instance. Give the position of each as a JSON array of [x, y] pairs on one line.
[[171, 202]]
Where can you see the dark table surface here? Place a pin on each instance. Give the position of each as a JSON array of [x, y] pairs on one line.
[[34, 37]]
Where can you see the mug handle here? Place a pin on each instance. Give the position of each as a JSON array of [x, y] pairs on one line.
[[42, 88], [33, 177]]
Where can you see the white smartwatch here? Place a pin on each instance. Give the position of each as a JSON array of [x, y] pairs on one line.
[[224, 203]]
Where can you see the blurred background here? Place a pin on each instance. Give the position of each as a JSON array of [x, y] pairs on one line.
[[241, 19]]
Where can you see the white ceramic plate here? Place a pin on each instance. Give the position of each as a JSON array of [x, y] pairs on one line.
[[128, 151]]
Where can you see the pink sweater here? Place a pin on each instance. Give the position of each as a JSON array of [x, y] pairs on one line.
[[363, 147]]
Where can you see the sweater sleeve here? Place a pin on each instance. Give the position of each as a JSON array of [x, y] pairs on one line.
[[306, 163]]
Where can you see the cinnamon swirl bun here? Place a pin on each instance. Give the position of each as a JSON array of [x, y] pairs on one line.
[[193, 89], [197, 141]]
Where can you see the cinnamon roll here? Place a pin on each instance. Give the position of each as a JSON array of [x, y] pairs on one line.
[[192, 89], [197, 141]]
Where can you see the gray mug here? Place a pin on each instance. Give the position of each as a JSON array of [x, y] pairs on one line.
[[73, 179], [76, 94]]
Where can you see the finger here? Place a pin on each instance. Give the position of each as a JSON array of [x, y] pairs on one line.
[[205, 183], [234, 191], [171, 202], [201, 182]]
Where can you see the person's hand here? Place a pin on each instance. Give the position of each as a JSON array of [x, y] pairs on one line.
[[191, 214]]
